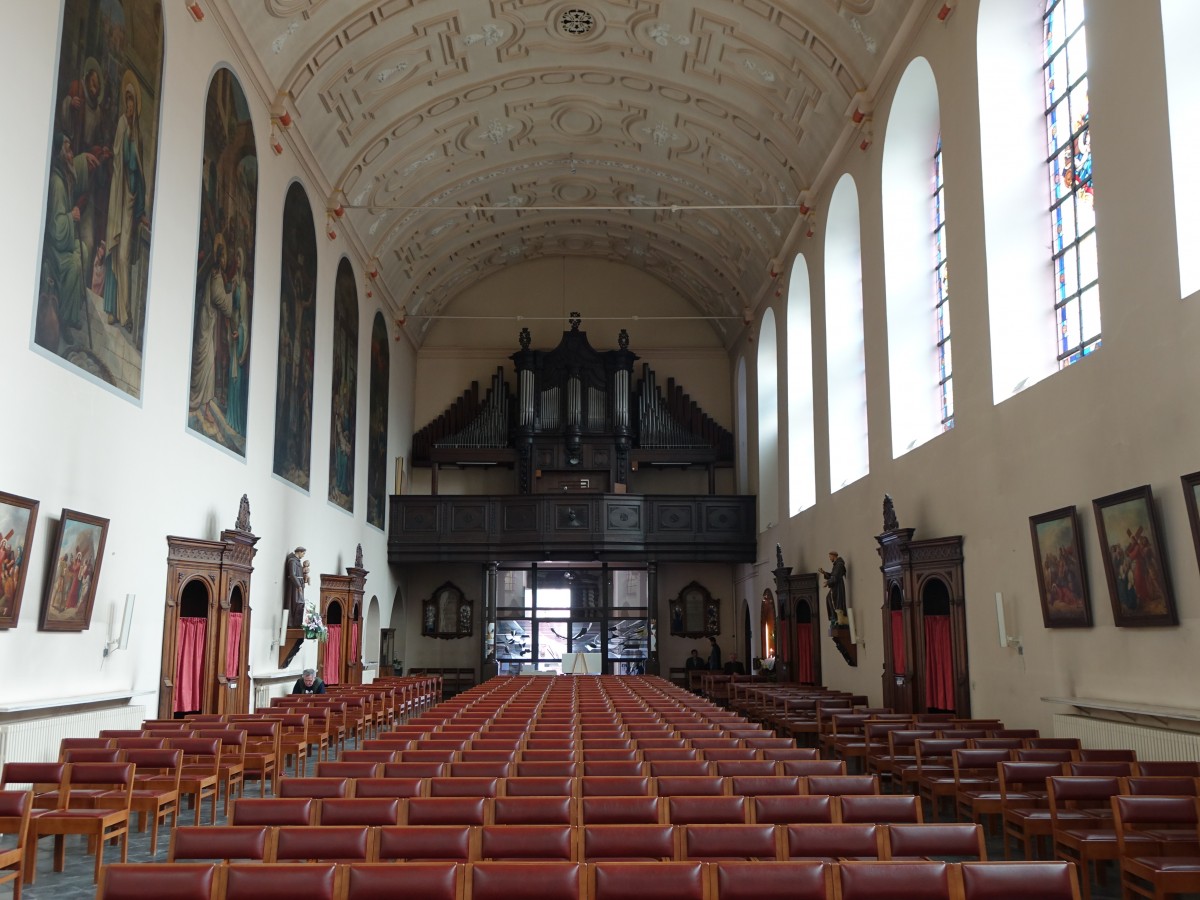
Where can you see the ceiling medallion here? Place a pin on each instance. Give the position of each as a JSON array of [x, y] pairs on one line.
[[576, 22]]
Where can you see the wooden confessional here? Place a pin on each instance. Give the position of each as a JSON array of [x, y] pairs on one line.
[[339, 659], [798, 627], [205, 652], [924, 624]]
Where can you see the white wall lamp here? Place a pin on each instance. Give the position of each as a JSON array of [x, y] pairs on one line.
[[122, 640], [1002, 629]]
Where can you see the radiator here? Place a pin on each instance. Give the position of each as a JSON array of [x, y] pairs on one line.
[[36, 740], [1150, 743]]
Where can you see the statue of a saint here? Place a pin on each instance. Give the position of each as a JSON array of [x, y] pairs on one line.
[[295, 576], [778, 557], [243, 516], [835, 594]]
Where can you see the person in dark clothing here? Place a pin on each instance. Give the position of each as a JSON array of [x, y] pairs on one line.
[[694, 661], [714, 655], [308, 683]]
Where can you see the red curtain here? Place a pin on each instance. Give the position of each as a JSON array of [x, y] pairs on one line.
[[333, 655], [898, 659], [355, 655], [233, 645], [804, 660], [939, 675], [189, 664]]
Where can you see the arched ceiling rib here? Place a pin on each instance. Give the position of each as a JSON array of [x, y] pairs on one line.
[[465, 136]]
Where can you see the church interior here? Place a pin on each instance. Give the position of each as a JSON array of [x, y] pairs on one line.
[[454, 344]]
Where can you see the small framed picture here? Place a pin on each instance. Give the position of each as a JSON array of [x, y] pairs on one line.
[[75, 572], [1062, 578], [18, 517], [1134, 564]]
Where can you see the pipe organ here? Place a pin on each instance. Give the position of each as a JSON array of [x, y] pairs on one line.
[[577, 421]]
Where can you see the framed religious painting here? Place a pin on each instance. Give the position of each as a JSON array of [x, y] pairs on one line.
[[1191, 499], [1062, 580], [695, 613], [18, 516], [1134, 564], [74, 572]]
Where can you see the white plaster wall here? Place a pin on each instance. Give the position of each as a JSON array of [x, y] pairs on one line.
[[69, 443], [1122, 418]]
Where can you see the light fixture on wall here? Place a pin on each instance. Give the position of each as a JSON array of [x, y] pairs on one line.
[[122, 639], [1002, 628]]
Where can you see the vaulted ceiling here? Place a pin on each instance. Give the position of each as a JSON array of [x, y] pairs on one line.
[[456, 137]]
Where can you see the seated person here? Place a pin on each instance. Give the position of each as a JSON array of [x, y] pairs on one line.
[[734, 666], [695, 662], [308, 683]]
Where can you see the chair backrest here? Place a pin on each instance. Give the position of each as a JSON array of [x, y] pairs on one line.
[[304, 786], [1165, 785], [219, 842], [879, 808], [620, 810], [137, 881], [338, 769], [646, 881], [736, 841], [464, 786], [1005, 880], [1076, 791], [427, 880], [273, 811], [527, 880], [1024, 777], [674, 767], [836, 785], [116, 777], [755, 785], [788, 810], [894, 881], [1055, 743], [360, 811], [405, 769], [702, 810], [616, 786], [330, 843], [805, 767], [426, 842], [691, 785], [533, 811], [786, 880], [1103, 769], [447, 811], [90, 754], [546, 768], [540, 786], [388, 787], [282, 881], [526, 842], [820, 841], [1185, 768], [729, 767], [939, 840], [1045, 754], [613, 767], [628, 842]]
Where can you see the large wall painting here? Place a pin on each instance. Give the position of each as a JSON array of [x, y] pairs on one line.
[[220, 380], [92, 286], [297, 338], [377, 426], [345, 387]]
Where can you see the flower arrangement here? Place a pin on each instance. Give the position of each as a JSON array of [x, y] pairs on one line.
[[314, 627]]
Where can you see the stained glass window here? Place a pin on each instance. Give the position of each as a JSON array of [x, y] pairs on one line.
[[941, 278], [1069, 165]]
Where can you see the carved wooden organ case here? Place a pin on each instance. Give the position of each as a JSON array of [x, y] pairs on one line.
[[577, 421], [206, 628], [921, 579], [339, 659]]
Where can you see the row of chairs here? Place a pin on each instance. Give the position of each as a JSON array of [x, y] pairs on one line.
[[594, 881], [381, 775], [431, 764], [589, 843], [390, 809]]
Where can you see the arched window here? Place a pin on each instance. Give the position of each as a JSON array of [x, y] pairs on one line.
[[1072, 216], [1012, 132], [768, 423], [1181, 22], [915, 263], [802, 472], [845, 352]]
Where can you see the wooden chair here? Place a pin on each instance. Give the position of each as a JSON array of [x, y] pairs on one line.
[[784, 880], [734, 841], [646, 881], [108, 784], [886, 880], [15, 810], [527, 880], [1169, 864], [405, 843], [221, 843], [628, 842], [1078, 835], [280, 881], [156, 788], [427, 880], [936, 840], [232, 765], [201, 774], [548, 842], [262, 753], [1005, 880], [324, 843]]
